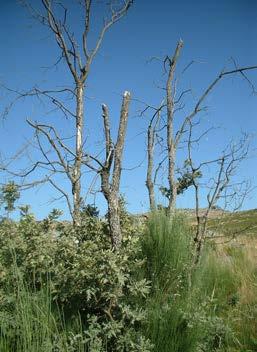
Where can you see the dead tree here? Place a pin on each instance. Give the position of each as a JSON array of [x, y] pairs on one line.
[[152, 135], [171, 147], [221, 188], [78, 59], [199, 107], [173, 138], [110, 179], [110, 168]]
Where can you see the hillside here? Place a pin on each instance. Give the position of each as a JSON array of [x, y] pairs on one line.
[[241, 223]]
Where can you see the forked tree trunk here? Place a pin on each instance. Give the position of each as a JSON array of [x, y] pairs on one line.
[[78, 62], [114, 155]]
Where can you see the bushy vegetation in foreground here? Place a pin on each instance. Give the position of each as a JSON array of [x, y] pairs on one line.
[[62, 290]]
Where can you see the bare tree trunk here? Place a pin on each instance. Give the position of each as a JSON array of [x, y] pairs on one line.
[[150, 156], [113, 212], [152, 136], [114, 215], [171, 174], [221, 186], [198, 250], [114, 220], [199, 237], [170, 129], [114, 154], [76, 189], [78, 58]]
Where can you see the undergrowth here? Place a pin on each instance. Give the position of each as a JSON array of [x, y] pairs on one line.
[[69, 292], [208, 307]]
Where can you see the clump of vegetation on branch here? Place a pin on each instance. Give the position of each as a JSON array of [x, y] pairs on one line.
[[9, 195]]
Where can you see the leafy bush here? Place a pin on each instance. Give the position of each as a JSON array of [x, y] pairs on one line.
[[85, 277]]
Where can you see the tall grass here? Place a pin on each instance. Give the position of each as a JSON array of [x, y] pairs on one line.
[[243, 318], [35, 324], [210, 307], [167, 246], [216, 280]]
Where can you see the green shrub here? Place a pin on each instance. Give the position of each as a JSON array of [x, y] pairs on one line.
[[167, 246], [36, 325], [85, 276]]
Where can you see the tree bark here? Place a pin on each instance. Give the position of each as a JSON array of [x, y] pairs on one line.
[[171, 174], [78, 62], [114, 154], [114, 220], [76, 187], [149, 182], [170, 129]]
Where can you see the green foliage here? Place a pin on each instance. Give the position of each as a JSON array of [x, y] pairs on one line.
[[86, 277], [55, 214], [50, 220], [66, 290], [224, 285], [211, 307], [31, 326], [167, 245], [36, 325], [183, 182], [187, 180], [89, 210], [24, 210], [9, 195], [216, 279]]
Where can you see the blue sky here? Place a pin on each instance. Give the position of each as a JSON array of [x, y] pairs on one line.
[[212, 31]]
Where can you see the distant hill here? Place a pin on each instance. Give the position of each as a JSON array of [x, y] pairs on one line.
[[243, 223], [239, 224]]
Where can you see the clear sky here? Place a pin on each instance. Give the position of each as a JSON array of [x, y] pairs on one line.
[[213, 32]]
